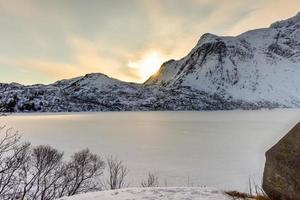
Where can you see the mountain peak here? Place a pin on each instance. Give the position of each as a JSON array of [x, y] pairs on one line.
[[245, 67], [95, 75], [257, 69], [287, 23], [207, 37]]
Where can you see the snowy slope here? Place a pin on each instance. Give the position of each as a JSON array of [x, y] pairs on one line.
[[257, 69], [259, 65], [98, 92], [154, 194], [93, 80]]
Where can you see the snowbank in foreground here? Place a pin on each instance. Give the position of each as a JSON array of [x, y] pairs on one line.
[[167, 193]]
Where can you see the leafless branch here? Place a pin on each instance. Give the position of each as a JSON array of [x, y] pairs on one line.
[[117, 173]]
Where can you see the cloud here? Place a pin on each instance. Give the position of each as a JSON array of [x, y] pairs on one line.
[[95, 57], [268, 12], [174, 26], [85, 57], [62, 39], [175, 30], [37, 12], [49, 68]]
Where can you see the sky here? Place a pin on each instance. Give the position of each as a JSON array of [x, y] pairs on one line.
[[42, 41]]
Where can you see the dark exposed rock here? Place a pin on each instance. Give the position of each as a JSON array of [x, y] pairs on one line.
[[281, 179]]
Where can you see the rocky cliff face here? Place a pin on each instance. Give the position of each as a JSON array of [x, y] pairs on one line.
[[257, 69]]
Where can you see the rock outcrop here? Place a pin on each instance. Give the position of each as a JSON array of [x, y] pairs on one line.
[[281, 179]]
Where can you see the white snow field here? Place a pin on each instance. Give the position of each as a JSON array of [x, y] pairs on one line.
[[215, 149], [172, 193]]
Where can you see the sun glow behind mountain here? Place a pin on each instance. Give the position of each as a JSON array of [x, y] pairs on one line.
[[148, 64], [46, 41]]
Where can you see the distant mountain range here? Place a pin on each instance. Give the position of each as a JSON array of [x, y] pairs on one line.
[[257, 69]]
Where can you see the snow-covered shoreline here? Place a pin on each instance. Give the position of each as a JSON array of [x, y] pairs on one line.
[[159, 193], [15, 114]]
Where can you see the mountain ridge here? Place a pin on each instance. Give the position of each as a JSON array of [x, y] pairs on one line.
[[246, 66], [256, 69]]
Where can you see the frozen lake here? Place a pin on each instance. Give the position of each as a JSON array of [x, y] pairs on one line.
[[217, 149]]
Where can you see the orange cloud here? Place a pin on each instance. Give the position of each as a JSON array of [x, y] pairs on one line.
[[46, 67], [92, 57]]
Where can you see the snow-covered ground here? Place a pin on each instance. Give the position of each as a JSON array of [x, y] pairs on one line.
[[172, 193]]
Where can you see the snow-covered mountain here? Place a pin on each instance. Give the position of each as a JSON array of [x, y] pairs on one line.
[[98, 92], [259, 65], [257, 69]]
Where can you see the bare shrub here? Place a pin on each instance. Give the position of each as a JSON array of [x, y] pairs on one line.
[[13, 154], [39, 173], [257, 194], [117, 173], [151, 181], [240, 195], [82, 173], [9, 141]]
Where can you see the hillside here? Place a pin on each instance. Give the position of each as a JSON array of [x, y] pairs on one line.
[[98, 92], [257, 69], [259, 65]]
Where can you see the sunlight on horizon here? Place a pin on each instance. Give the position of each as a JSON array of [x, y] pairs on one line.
[[148, 65], [46, 41]]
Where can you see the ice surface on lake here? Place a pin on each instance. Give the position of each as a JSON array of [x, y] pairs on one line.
[[217, 149]]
